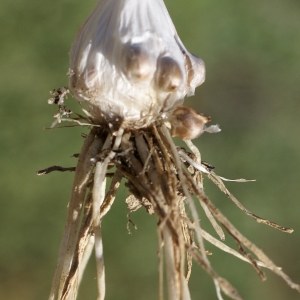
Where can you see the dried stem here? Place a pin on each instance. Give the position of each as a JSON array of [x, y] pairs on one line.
[[82, 253], [218, 182], [238, 236], [55, 168], [209, 215], [172, 281], [82, 176], [111, 194], [98, 198], [162, 179], [227, 249]]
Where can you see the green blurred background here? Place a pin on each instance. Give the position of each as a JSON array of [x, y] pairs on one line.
[[252, 55]]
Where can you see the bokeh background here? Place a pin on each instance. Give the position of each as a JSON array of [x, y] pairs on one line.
[[252, 55]]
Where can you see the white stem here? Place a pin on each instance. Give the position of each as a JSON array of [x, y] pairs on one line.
[[99, 263], [160, 267], [86, 256], [98, 197], [84, 168], [185, 288], [83, 253], [80, 176], [195, 150], [170, 265]]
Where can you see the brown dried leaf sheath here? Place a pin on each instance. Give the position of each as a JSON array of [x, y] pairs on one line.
[[159, 179]]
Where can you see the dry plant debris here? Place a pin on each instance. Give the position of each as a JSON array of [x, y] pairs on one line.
[[130, 68], [162, 178]]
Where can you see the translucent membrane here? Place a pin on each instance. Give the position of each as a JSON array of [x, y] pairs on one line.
[[128, 63]]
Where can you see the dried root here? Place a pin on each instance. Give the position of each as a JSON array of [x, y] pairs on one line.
[[162, 179]]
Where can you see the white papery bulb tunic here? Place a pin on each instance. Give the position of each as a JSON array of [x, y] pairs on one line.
[[128, 63]]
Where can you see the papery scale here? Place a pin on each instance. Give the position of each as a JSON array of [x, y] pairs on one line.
[[128, 62]]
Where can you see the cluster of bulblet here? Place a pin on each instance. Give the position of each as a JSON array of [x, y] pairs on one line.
[[128, 63]]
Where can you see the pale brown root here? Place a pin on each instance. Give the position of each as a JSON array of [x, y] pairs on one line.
[[86, 256], [157, 183], [213, 222], [81, 254], [160, 266], [85, 168], [98, 198], [218, 182], [111, 194], [86, 240], [162, 179], [194, 150], [172, 281], [82, 174], [219, 282], [209, 215], [187, 194], [186, 225], [178, 210], [239, 237], [78, 122], [227, 249]]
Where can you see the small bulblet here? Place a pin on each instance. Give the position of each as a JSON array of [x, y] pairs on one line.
[[138, 64], [168, 75], [186, 123]]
